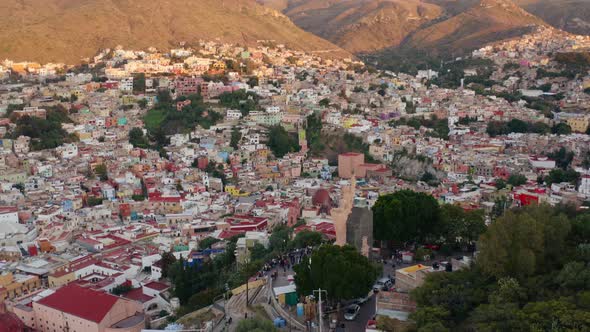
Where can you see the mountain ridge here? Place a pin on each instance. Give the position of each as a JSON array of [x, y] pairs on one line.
[[69, 30], [440, 26]]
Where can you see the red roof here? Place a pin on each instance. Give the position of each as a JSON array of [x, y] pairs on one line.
[[8, 209], [159, 286], [11, 323], [81, 302], [137, 294]]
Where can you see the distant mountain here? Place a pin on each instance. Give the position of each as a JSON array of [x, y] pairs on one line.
[[68, 30], [569, 15], [362, 26], [437, 26], [482, 23]]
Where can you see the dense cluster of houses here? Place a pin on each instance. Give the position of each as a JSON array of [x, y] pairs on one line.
[[65, 228]]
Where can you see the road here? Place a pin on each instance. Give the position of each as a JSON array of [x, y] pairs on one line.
[[368, 309], [367, 312]]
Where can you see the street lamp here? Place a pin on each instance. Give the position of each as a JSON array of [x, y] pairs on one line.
[[246, 262], [320, 291]]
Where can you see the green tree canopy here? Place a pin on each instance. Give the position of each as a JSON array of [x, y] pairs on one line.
[[138, 139], [307, 238], [280, 142], [279, 239], [516, 179], [406, 216], [524, 242], [462, 226], [341, 271], [207, 242]]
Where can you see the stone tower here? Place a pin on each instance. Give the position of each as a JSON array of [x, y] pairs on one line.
[[341, 213]]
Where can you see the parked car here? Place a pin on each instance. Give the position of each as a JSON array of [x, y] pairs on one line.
[[433, 247], [382, 284], [352, 311]]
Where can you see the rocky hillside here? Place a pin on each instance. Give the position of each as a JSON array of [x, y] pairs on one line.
[[362, 26], [484, 22], [437, 26], [68, 30], [569, 15]]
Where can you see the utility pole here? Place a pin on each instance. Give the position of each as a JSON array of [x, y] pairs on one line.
[[319, 291]]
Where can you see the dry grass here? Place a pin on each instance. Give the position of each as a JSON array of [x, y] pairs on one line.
[[68, 30]]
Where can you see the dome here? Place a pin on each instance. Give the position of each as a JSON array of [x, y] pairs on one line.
[[322, 198]]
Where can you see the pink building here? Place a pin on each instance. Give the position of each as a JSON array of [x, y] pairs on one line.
[[362, 169], [77, 309], [187, 85], [348, 164]]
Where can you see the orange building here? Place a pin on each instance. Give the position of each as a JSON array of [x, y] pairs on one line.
[[349, 163]]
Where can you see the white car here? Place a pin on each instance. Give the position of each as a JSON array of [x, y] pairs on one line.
[[382, 284], [351, 312]]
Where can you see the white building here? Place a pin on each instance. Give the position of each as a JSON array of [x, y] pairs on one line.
[[585, 185], [8, 214], [126, 84], [233, 114]]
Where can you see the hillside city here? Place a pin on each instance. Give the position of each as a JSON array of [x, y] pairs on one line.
[[220, 187]]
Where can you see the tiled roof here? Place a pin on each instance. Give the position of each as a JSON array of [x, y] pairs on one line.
[[81, 302]]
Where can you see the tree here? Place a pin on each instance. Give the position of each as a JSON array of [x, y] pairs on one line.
[[406, 216], [280, 142], [313, 133], [307, 238], [44, 133], [94, 201], [142, 103], [516, 179], [255, 325], [258, 252], [139, 83], [563, 158], [166, 261], [207, 242], [574, 276], [561, 129], [279, 239], [236, 137], [102, 172], [458, 293], [462, 226], [341, 271], [557, 175], [500, 184], [244, 101], [521, 243], [121, 289], [137, 138]]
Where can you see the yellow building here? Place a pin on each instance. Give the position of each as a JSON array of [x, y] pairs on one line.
[[578, 124], [349, 122], [128, 99], [12, 286], [84, 135], [234, 191], [60, 278], [219, 65]]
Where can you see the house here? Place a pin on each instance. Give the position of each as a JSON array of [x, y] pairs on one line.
[[78, 309], [411, 277]]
